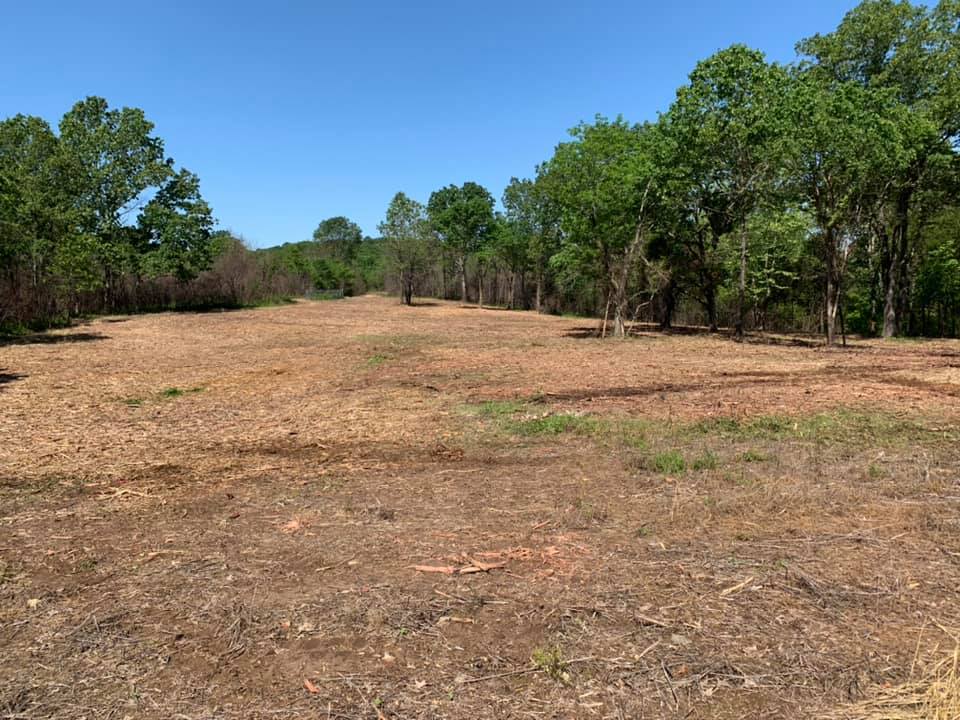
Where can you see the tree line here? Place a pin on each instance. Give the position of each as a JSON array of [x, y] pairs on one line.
[[96, 218], [819, 195]]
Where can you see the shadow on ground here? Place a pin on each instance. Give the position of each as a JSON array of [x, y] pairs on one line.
[[51, 339], [585, 332], [7, 377]]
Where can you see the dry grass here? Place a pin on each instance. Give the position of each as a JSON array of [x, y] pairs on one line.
[[662, 527], [934, 694]]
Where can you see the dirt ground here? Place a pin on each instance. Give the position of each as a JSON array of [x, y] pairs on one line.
[[353, 509]]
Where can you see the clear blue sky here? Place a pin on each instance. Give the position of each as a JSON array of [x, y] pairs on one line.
[[291, 112]]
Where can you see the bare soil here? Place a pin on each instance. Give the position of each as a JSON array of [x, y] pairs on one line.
[[235, 515]]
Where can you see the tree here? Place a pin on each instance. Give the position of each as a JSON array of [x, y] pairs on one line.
[[176, 225], [112, 158], [724, 128], [38, 219], [914, 53], [841, 151], [342, 236], [407, 245], [462, 217], [533, 230], [601, 181], [777, 239], [937, 287]]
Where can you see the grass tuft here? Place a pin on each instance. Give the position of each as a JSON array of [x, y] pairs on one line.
[[670, 462], [707, 461], [550, 661], [557, 425]]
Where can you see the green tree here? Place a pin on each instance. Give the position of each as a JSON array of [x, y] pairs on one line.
[[844, 145], [533, 227], [601, 182], [407, 244], [913, 53], [937, 288], [462, 217], [112, 158], [725, 126], [177, 224], [342, 236], [38, 221], [777, 239]]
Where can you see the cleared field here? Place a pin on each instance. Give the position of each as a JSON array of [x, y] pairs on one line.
[[355, 509]]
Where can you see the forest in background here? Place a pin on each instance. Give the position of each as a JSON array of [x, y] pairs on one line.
[[819, 196]]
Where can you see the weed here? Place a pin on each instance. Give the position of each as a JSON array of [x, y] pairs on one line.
[[753, 456], [670, 462], [550, 661], [498, 408], [585, 513], [557, 425], [377, 360], [706, 461], [174, 392], [134, 402], [839, 426], [88, 564]]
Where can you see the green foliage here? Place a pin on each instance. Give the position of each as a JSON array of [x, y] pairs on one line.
[[176, 226], [175, 392], [499, 408], [817, 195], [670, 462], [556, 425], [407, 245], [550, 661], [462, 218], [68, 228], [342, 236], [707, 461]]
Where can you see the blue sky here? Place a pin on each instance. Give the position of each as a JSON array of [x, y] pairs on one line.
[[291, 112]]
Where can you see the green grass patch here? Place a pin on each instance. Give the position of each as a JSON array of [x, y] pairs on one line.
[[670, 462], [557, 425], [550, 661], [377, 360], [498, 408], [839, 427], [707, 461], [526, 418], [753, 456], [175, 392]]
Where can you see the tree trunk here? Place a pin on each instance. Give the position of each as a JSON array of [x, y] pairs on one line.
[[832, 293], [710, 292], [896, 295], [619, 313], [538, 296], [742, 287], [668, 304], [479, 290], [463, 279]]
